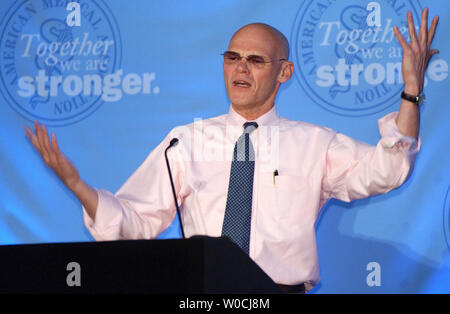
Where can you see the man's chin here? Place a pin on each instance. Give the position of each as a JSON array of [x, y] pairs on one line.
[[241, 105], [241, 101], [245, 106]]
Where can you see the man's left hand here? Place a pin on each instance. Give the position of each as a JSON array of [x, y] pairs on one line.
[[417, 53]]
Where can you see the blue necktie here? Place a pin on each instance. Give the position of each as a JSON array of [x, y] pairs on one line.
[[238, 211]]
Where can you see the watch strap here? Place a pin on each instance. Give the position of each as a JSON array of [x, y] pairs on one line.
[[418, 100]]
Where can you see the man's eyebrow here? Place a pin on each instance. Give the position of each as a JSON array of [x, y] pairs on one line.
[[251, 54]]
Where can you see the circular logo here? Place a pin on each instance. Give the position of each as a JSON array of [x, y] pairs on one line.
[[446, 223], [344, 63], [53, 72]]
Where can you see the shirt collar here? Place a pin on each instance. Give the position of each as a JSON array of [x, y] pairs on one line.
[[269, 118]]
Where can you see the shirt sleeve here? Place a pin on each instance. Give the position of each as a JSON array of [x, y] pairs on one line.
[[356, 170], [143, 207]]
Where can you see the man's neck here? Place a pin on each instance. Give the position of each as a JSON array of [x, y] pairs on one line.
[[251, 113]]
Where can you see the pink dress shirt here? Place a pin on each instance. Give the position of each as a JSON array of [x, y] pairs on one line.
[[314, 164]]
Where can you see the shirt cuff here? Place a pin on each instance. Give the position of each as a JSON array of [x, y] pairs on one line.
[[107, 215], [392, 138]]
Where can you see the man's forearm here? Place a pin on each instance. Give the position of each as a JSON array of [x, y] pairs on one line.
[[87, 196], [416, 55], [408, 119]]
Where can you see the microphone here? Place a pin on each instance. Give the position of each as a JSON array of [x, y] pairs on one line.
[[173, 143]]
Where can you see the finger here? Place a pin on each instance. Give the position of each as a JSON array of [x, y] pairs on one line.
[[411, 27], [55, 144], [423, 31], [400, 38], [433, 52], [45, 138], [32, 137], [41, 139], [29, 133], [39, 135], [51, 155], [56, 149], [432, 30], [37, 131]]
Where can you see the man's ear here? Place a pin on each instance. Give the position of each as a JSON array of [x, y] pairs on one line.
[[287, 69]]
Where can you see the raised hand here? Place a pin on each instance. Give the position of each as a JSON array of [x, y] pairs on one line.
[[417, 53], [52, 155], [63, 168]]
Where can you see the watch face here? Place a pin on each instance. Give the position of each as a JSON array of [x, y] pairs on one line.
[[421, 99]]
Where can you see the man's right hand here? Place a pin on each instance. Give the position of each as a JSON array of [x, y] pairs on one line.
[[62, 167], [52, 156]]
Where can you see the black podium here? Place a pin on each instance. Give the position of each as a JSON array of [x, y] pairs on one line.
[[193, 266]]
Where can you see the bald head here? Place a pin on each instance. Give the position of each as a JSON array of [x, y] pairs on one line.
[[269, 33]]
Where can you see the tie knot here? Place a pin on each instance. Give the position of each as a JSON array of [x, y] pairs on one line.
[[250, 126]]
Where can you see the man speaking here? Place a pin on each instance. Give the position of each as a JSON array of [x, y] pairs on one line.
[[267, 206]]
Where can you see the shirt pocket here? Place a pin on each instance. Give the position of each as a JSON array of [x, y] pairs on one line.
[[286, 197]]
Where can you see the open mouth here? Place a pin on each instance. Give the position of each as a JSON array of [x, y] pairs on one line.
[[241, 83]]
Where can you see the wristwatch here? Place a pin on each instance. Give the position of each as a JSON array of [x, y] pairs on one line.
[[418, 100]]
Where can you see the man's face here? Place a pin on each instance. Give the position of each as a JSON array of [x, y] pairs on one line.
[[250, 85]]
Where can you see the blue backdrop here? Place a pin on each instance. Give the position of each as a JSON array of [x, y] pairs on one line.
[[157, 65]]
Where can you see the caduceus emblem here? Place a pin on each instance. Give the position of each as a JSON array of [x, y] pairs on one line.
[[52, 31], [352, 17]]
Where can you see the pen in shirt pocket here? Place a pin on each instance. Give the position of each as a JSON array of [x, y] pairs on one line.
[[275, 174]]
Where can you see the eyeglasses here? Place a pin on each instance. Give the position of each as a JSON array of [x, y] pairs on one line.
[[231, 57]]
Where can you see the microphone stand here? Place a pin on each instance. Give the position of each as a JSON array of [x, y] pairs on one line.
[[174, 142]]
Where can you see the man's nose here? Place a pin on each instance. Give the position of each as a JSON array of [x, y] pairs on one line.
[[243, 66]]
